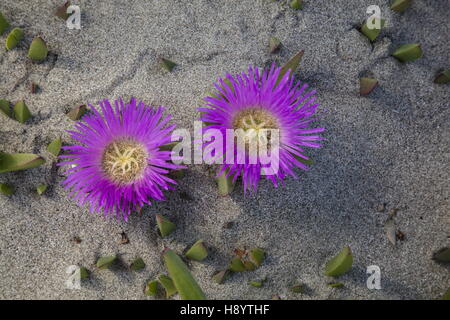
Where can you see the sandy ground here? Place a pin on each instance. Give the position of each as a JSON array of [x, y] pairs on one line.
[[390, 147]]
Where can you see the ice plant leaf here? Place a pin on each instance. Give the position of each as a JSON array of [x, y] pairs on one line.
[[3, 24], [168, 285], [105, 262], [408, 52], [13, 38], [366, 85], [165, 226], [336, 284], [167, 64], [6, 189], [21, 112], [168, 146], [19, 161], [297, 288], [446, 295], [257, 256], [38, 50], [400, 5], [221, 276], [225, 184], [372, 34], [5, 107], [182, 278], [296, 4], [151, 289], [442, 255], [41, 189], [61, 12], [443, 77], [236, 265], [255, 283], [389, 228], [274, 44], [77, 112], [137, 264], [292, 65], [55, 147], [340, 264], [84, 273], [197, 252]]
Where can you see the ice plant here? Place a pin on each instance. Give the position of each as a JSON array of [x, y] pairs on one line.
[[117, 165], [254, 101]]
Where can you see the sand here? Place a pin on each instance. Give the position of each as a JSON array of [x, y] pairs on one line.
[[389, 147]]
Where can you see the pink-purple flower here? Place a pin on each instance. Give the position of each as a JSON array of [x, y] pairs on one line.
[[117, 165], [253, 101]]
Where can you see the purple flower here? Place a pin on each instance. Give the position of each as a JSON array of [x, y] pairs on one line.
[[117, 165], [253, 101]]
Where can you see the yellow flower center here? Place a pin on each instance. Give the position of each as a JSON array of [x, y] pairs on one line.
[[124, 161], [255, 121]]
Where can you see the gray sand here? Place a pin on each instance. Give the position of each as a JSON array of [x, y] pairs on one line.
[[391, 147]]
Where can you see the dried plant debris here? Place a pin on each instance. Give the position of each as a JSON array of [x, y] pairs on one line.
[[34, 88], [340, 264], [408, 52], [6, 189], [246, 260], [61, 12], [400, 235], [124, 238], [3, 24], [443, 77], [197, 252], [13, 38], [381, 207], [366, 85], [442, 255], [38, 50], [77, 112], [167, 64], [183, 280], [137, 265], [390, 229], [296, 4], [19, 161], [5, 107], [76, 239], [274, 44], [21, 111], [165, 226], [298, 288], [40, 189], [400, 5], [221, 276], [105, 262], [55, 147], [151, 289], [373, 33]]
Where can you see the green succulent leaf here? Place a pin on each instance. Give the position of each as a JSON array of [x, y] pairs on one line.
[[168, 64], [221, 276], [296, 4], [77, 112], [400, 5], [225, 184], [442, 255], [21, 112], [257, 256], [165, 226], [38, 50], [236, 265], [55, 147], [340, 264], [197, 252], [168, 285], [105, 262], [5, 107], [291, 65], [408, 52], [13, 38], [372, 34], [182, 278], [3, 24], [40, 189], [6, 189], [137, 264], [366, 85], [446, 295], [84, 273], [443, 77], [274, 44], [151, 289], [297, 288], [19, 161]]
